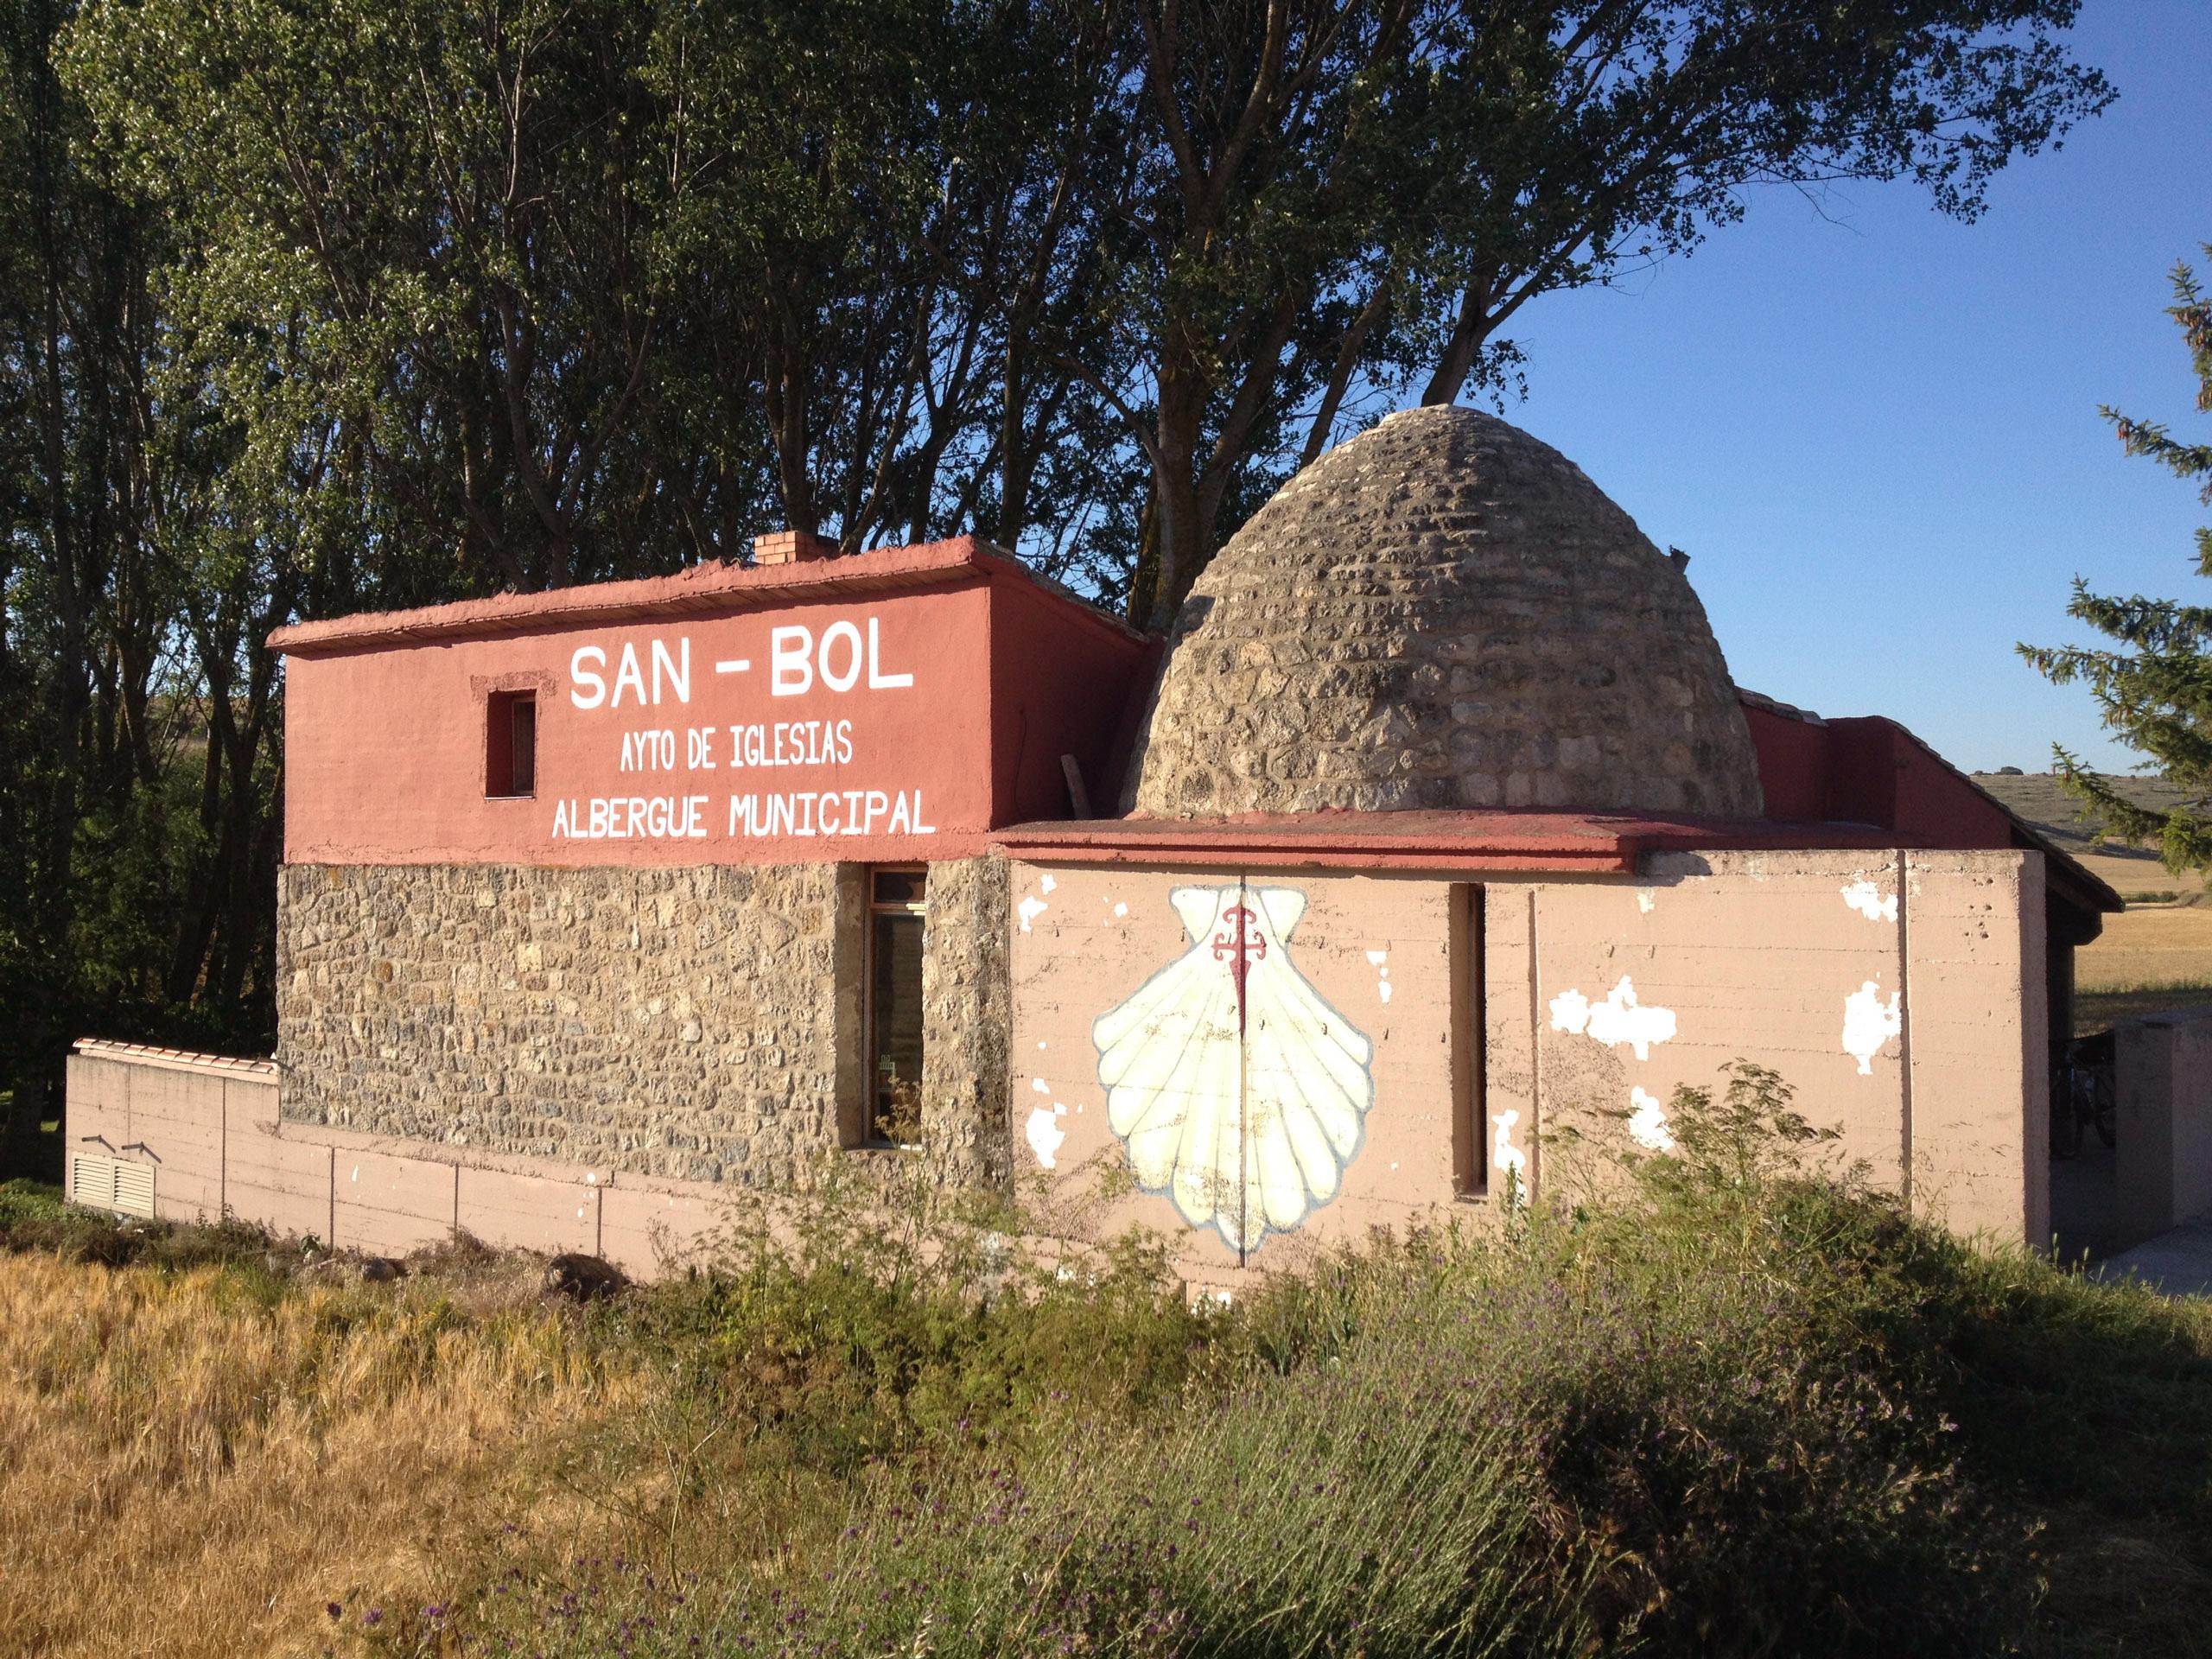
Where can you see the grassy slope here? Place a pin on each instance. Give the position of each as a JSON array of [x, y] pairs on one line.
[[1735, 1412]]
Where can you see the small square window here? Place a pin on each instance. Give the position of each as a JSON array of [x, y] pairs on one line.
[[511, 745]]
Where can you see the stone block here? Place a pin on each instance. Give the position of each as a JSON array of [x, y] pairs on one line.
[[706, 1025]]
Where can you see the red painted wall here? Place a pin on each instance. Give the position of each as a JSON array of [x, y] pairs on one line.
[[1924, 798], [1056, 691], [828, 724], [1793, 765], [1870, 771]]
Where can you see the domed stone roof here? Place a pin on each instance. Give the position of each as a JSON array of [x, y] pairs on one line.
[[1442, 612]]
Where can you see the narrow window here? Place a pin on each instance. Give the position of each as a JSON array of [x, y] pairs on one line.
[[894, 1005], [1469, 1026], [511, 745]]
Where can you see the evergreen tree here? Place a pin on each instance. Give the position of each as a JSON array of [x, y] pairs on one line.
[[2154, 682]]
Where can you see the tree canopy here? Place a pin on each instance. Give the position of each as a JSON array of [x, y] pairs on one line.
[[314, 307], [2154, 683]]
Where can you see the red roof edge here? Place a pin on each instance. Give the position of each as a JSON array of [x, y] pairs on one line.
[[1873, 768], [714, 588], [1606, 844]]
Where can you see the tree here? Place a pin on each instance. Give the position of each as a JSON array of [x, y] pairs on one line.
[[601, 287], [2153, 685], [1339, 189], [317, 306], [133, 803]]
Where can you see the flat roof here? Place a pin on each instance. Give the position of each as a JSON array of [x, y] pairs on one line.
[[1610, 843], [702, 589]]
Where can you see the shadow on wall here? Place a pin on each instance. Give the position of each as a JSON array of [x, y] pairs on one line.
[[2156, 1174]]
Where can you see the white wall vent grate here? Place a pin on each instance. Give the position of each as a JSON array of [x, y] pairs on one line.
[[103, 1183]]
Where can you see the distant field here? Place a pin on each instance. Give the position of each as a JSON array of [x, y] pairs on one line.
[[2100, 1010], [2040, 798], [2158, 953], [2149, 945]]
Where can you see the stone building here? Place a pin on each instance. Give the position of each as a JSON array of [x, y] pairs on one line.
[[1447, 850]]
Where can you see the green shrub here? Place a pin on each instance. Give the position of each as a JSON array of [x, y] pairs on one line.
[[33, 1216], [1706, 1417]]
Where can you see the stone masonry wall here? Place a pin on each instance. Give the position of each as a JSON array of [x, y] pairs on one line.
[[702, 1023], [1442, 612], [967, 1017]]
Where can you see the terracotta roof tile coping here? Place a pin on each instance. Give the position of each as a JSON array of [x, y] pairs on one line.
[[701, 589], [1601, 843], [99, 1048]]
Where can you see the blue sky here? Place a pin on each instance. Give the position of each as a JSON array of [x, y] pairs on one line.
[[1875, 429]]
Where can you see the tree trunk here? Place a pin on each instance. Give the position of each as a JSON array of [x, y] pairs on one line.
[[1468, 330], [1180, 535]]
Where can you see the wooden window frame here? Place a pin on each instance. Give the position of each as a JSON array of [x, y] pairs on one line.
[[1470, 1046], [872, 908], [504, 779]]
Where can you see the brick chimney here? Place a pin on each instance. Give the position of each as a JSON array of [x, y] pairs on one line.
[[792, 547]]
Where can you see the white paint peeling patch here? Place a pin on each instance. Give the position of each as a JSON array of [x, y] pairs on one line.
[[1041, 1045], [1866, 898], [1619, 1018], [1382, 989], [1047, 882], [1040, 1086], [1571, 1012], [1647, 1123], [1645, 898], [1867, 1024], [1505, 1157], [1030, 910], [1377, 958], [1121, 910], [1045, 1135], [1058, 1110]]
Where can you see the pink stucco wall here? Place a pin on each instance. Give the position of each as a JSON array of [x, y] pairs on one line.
[[210, 1129], [1898, 994]]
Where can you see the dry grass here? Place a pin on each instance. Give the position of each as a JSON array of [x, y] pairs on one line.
[[2102, 1009], [2133, 872], [196, 1462], [2143, 947]]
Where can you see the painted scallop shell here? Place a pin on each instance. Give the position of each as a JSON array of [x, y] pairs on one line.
[[1239, 1093]]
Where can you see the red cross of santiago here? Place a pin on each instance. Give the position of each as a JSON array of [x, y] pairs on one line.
[[1240, 944]]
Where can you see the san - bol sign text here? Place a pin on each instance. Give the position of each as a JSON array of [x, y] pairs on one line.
[[638, 682]]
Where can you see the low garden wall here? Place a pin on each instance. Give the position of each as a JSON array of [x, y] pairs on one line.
[[210, 1130]]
